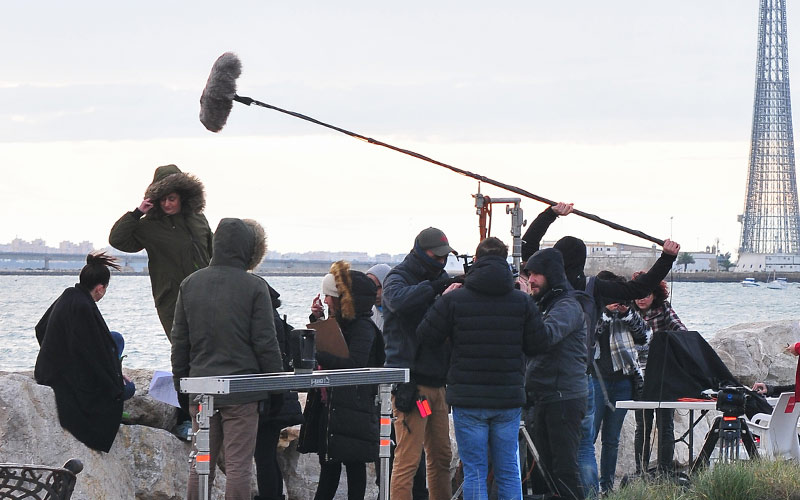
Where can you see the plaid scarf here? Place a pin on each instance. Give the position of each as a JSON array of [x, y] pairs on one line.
[[622, 330]]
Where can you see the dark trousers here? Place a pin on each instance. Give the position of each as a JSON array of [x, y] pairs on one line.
[[268, 472], [556, 435], [329, 473], [666, 438]]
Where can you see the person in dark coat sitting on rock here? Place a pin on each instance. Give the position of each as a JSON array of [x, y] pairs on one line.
[[342, 423], [78, 358]]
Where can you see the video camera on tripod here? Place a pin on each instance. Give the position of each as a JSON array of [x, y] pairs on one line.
[[731, 401], [728, 431]]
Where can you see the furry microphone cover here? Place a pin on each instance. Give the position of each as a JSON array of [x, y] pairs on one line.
[[217, 99]]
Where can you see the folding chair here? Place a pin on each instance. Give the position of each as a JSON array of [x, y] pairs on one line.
[[778, 432]]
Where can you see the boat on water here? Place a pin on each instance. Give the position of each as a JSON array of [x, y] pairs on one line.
[[778, 284], [749, 282]]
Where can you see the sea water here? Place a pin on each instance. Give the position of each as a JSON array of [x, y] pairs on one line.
[[128, 308]]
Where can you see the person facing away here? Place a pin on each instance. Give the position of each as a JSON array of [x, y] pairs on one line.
[[78, 358], [657, 312], [555, 378], [342, 424], [409, 290], [169, 224], [491, 326], [573, 250], [224, 326], [275, 414], [616, 376]]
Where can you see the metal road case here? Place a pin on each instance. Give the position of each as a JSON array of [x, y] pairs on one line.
[[208, 387]]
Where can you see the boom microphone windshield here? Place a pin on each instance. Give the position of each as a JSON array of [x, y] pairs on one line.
[[220, 92], [217, 99]]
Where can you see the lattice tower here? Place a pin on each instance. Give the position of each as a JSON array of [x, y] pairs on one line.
[[771, 220]]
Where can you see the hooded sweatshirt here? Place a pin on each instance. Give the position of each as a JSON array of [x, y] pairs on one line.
[[224, 323], [177, 245], [559, 373]]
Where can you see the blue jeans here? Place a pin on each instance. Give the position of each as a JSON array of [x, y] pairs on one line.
[[477, 428], [610, 421], [587, 463]]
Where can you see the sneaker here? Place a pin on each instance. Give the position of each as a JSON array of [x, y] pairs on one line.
[[183, 430]]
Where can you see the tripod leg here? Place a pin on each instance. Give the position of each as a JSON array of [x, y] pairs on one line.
[[708, 446]]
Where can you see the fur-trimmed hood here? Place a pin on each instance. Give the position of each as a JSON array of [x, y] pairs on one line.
[[238, 243], [356, 291], [168, 179]]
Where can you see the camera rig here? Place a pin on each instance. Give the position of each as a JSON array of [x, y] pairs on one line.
[[483, 208]]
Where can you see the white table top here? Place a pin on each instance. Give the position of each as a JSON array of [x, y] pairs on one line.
[[678, 405]]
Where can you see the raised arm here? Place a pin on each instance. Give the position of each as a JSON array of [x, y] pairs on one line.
[[533, 236]]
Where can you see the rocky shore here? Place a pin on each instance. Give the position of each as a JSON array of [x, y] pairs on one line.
[[148, 463]]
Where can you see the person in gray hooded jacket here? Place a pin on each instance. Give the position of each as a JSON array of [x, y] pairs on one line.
[[224, 326]]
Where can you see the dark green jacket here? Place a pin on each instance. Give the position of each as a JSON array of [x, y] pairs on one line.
[[224, 318], [177, 245]]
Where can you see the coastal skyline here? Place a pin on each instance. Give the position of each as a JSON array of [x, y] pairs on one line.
[[638, 113]]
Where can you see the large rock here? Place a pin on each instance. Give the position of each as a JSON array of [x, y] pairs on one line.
[[144, 463], [753, 352]]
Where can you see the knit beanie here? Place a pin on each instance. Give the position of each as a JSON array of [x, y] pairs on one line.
[[329, 286], [379, 271]]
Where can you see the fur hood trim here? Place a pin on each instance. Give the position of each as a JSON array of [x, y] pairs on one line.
[[169, 178], [341, 274], [259, 245]]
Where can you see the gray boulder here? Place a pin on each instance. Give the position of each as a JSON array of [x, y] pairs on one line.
[[753, 352]]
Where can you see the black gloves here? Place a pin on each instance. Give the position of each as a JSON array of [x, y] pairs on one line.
[[440, 284]]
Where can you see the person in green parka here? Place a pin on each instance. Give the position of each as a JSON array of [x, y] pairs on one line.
[[170, 225]]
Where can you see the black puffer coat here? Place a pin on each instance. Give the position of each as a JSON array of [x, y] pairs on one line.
[[491, 326], [342, 423]]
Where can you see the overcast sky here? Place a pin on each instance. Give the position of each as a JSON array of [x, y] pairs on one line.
[[639, 112]]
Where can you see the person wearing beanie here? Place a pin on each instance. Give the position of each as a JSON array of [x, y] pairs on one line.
[[342, 423], [555, 380], [409, 290], [377, 274], [224, 325], [492, 327], [573, 251]]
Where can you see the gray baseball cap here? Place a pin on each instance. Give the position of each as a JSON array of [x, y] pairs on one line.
[[434, 240]]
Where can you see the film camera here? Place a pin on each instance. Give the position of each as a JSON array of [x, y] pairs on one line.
[[731, 401]]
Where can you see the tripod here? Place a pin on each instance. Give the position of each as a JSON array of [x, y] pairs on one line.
[[727, 432], [526, 450]]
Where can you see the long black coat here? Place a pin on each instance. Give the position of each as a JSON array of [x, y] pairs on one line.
[[79, 360], [346, 427]]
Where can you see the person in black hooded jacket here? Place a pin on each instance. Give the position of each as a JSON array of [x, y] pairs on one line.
[[276, 413], [556, 378], [573, 251], [342, 423], [491, 327]]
